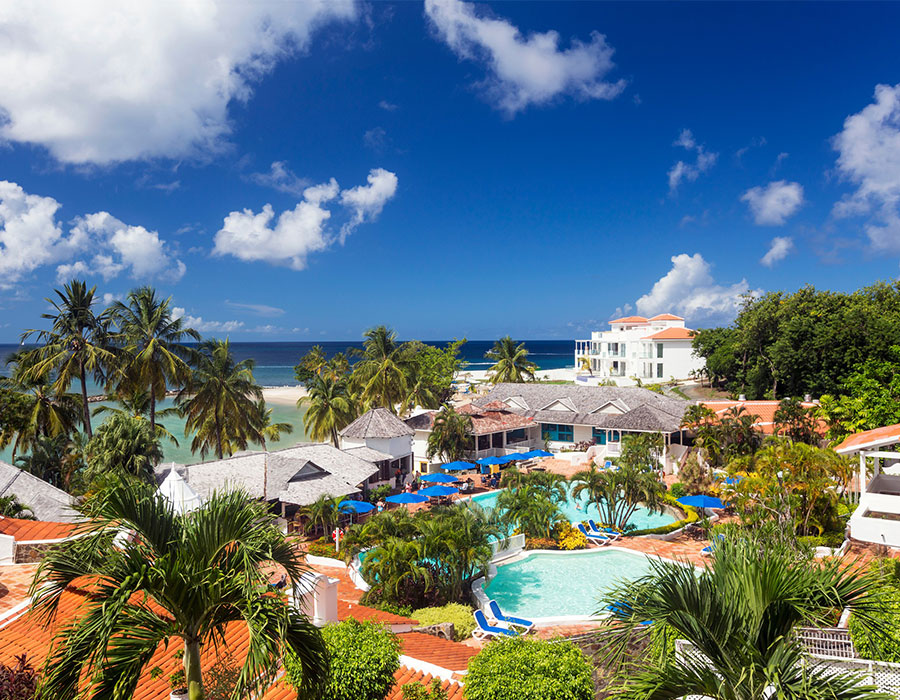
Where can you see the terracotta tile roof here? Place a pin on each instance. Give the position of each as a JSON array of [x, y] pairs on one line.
[[282, 690], [30, 530], [666, 317], [764, 409], [493, 417], [15, 580], [433, 650], [363, 613], [876, 437], [630, 319], [671, 334]]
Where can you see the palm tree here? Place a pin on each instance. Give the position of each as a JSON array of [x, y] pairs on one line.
[[330, 408], [265, 429], [394, 562], [175, 576], [153, 344], [382, 373], [530, 509], [618, 493], [76, 344], [219, 400], [123, 444], [451, 435], [12, 507], [511, 363], [137, 405], [738, 615], [323, 512], [46, 460], [458, 541]]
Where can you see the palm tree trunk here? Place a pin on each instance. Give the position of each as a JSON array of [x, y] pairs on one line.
[[334, 437], [192, 671], [84, 404], [218, 433], [152, 408]]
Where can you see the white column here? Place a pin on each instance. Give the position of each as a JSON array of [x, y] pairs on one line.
[[862, 473]]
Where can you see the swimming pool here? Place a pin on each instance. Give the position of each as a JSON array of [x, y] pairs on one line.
[[562, 584], [642, 518]]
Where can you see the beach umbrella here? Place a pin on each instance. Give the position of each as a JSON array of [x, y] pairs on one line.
[[493, 460], [438, 491], [351, 506], [531, 454], [438, 478], [701, 502], [406, 498], [516, 456], [458, 466]]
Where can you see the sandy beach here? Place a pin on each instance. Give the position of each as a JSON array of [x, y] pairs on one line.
[[284, 395]]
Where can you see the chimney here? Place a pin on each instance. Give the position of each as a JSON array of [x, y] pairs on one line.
[[742, 397]]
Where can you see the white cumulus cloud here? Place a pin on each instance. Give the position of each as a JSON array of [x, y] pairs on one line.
[[869, 157], [101, 81], [683, 170], [524, 70], [289, 238], [779, 248], [689, 290], [202, 326], [773, 204]]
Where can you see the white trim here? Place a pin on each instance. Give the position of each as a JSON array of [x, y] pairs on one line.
[[414, 664], [325, 561]]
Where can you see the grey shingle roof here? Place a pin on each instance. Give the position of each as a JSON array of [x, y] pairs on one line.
[[295, 475], [376, 423], [642, 409], [368, 454], [46, 501]]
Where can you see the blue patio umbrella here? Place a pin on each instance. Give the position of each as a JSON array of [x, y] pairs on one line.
[[458, 466], [406, 498], [355, 506], [438, 478], [493, 460], [531, 454], [733, 480], [438, 491], [515, 456], [701, 502]]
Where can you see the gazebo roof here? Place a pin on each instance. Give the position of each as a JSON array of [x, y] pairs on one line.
[[376, 423]]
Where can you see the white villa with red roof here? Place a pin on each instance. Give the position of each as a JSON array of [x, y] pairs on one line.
[[649, 349]]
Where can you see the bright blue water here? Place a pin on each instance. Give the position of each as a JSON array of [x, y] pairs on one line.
[[554, 585], [275, 361], [577, 510]]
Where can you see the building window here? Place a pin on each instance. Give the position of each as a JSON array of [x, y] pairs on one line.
[[557, 433], [614, 436], [659, 347], [659, 373], [516, 436], [599, 435]]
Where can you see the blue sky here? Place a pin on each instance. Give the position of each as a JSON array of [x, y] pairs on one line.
[[448, 169]]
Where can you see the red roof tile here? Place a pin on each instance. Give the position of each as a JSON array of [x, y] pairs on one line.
[[15, 580], [441, 652], [363, 613], [765, 410], [666, 317], [630, 319], [671, 334], [30, 530], [874, 438], [494, 419]]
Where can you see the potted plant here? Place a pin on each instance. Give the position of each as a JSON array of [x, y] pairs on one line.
[[178, 684]]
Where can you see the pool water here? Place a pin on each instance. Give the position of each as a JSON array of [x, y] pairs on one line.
[[556, 585], [642, 518]]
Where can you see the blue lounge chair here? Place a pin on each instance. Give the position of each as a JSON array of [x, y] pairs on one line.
[[594, 537], [605, 531], [624, 609], [708, 549], [526, 625], [485, 630]]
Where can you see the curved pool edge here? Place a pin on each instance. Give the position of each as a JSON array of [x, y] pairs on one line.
[[481, 598]]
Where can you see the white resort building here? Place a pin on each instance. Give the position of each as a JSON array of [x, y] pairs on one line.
[[649, 349]]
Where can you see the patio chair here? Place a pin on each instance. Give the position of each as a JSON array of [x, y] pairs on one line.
[[594, 537], [485, 630], [605, 531], [526, 625], [708, 549]]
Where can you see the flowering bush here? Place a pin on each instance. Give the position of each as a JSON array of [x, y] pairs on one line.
[[570, 537], [540, 543], [322, 547]]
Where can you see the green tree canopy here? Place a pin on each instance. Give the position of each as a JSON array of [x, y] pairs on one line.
[[451, 435], [511, 363], [123, 444]]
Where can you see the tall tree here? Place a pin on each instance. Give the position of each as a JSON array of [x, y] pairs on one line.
[[382, 373], [219, 401], [311, 365], [618, 493], [329, 408], [76, 344], [744, 645], [511, 363], [177, 576], [123, 444], [451, 435], [137, 405], [265, 429], [153, 340]]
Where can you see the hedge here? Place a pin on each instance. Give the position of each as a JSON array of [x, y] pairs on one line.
[[460, 615], [691, 514]]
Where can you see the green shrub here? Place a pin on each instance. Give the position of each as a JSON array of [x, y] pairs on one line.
[[832, 539], [540, 543], [322, 547], [677, 490], [460, 615], [417, 691], [523, 668], [691, 516], [362, 659], [884, 646]]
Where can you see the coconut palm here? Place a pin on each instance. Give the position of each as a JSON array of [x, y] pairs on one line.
[[382, 373], [12, 507], [154, 355], [123, 444], [451, 435], [220, 401], [619, 493], [77, 343], [137, 405], [530, 509], [47, 460], [738, 615], [323, 512], [458, 541], [265, 429], [395, 562], [511, 363], [330, 408], [184, 577]]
